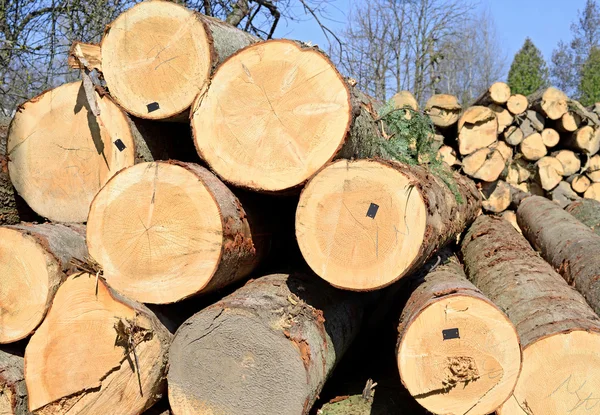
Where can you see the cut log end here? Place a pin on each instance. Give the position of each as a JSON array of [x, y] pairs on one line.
[[517, 104], [303, 100], [551, 101], [405, 99], [586, 139], [161, 231], [579, 183], [152, 75], [117, 353], [533, 148], [497, 196], [550, 137], [477, 128], [550, 172], [371, 221], [444, 110], [461, 354], [593, 192]]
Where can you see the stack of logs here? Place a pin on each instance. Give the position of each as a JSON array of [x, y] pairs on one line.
[[544, 144], [124, 268]]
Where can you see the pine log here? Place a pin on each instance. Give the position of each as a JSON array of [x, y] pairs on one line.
[[563, 194], [158, 56], [586, 139], [513, 135], [444, 110], [33, 262], [13, 392], [362, 225], [448, 155], [532, 147], [511, 217], [569, 160], [496, 196], [284, 333], [579, 182], [299, 127], [517, 104], [587, 211], [568, 123], [405, 99], [60, 154], [593, 192], [498, 93], [552, 319], [191, 234], [551, 102], [549, 172], [457, 352], [488, 163], [567, 244], [550, 137], [593, 168], [477, 128], [518, 172], [117, 353], [504, 117]]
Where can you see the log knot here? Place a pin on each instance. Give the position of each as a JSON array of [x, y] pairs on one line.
[[461, 369]]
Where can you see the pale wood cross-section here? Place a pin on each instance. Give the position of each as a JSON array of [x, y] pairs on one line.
[[477, 128], [444, 110], [517, 104]]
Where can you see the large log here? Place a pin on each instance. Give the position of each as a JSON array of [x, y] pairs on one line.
[[457, 352], [165, 231], [551, 102], [13, 392], [498, 93], [34, 260], [444, 110], [488, 163], [477, 128], [287, 112], [266, 349], [567, 244], [95, 353], [61, 152], [361, 225], [550, 137], [587, 211], [559, 332], [158, 56]]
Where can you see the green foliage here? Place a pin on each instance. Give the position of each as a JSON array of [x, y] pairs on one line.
[[528, 72], [589, 86], [411, 141]]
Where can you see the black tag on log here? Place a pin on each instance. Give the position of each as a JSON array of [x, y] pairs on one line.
[[120, 145], [372, 210], [153, 106], [450, 334]]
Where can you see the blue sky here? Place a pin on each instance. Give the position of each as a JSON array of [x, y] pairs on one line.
[[544, 21]]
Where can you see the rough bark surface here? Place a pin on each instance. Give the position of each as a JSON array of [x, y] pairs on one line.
[[226, 39], [288, 332], [586, 211], [13, 392], [567, 244]]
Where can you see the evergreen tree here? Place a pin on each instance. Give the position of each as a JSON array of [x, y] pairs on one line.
[[528, 72], [589, 87]]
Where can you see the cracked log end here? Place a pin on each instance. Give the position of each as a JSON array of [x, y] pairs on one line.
[[275, 113], [457, 352], [477, 128], [165, 231], [94, 353], [361, 225], [266, 349], [60, 155]]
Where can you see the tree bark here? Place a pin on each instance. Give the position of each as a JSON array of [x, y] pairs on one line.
[[40, 256], [457, 352], [212, 241], [587, 211], [362, 225], [128, 347], [503, 266], [288, 332], [9, 212], [13, 392], [567, 244], [550, 102]]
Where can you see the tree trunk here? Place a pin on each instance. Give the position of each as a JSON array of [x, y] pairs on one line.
[[532, 147], [118, 353], [33, 262], [13, 392], [567, 244], [444, 110], [498, 93], [587, 211], [517, 104], [550, 102], [362, 225], [513, 135], [192, 234], [586, 139], [457, 352], [551, 318], [279, 332], [60, 153], [579, 182], [158, 56], [496, 196], [300, 127], [477, 128]]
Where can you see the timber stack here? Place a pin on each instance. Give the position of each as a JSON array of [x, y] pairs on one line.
[[208, 221]]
